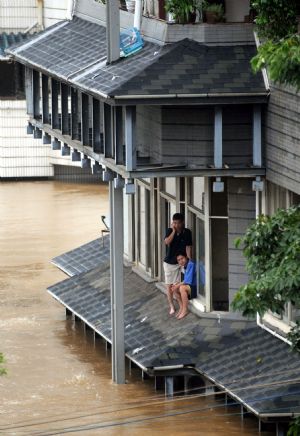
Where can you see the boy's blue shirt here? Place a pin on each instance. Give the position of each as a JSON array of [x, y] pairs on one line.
[[190, 275]]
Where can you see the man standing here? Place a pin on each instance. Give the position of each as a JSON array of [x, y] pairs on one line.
[[178, 239]]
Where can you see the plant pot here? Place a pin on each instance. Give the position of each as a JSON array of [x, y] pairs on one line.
[[130, 5], [211, 17]]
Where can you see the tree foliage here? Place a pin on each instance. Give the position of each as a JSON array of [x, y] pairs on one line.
[[277, 23], [2, 370], [275, 19], [294, 429], [282, 59], [272, 251]]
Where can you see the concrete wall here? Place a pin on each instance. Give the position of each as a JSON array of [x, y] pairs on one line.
[[149, 131], [54, 11], [17, 15], [185, 135], [20, 154], [282, 138], [241, 213]]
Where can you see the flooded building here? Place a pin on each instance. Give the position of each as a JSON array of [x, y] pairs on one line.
[[182, 125], [21, 155]]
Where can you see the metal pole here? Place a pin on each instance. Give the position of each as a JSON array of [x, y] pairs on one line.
[[118, 287]]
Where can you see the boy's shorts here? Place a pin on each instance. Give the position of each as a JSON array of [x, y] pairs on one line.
[[172, 273], [192, 291]]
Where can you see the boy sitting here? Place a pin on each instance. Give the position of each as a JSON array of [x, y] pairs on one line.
[[187, 289]]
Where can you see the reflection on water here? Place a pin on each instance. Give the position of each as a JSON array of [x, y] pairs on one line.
[[58, 380]]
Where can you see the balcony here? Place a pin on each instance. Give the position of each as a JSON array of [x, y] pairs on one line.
[[234, 31]]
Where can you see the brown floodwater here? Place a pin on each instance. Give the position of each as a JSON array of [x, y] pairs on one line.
[[58, 381]]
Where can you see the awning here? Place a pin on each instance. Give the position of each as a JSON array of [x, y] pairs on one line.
[[256, 368], [75, 52]]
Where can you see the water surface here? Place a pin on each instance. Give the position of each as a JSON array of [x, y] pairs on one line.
[[58, 381]]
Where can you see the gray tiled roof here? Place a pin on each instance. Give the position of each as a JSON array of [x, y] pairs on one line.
[[235, 354], [75, 51], [11, 40], [85, 257]]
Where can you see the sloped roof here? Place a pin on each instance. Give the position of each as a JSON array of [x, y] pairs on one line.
[[75, 52], [84, 258], [8, 40], [257, 368]]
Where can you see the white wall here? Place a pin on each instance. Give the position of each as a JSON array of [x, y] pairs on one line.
[[17, 15], [54, 11], [20, 154]]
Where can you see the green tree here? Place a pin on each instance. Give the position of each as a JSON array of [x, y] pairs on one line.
[[2, 370], [272, 249], [276, 23]]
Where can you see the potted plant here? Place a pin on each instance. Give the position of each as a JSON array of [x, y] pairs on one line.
[[214, 13], [183, 11]]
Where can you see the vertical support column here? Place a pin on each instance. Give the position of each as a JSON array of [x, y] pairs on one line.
[[153, 227], [74, 114], [45, 99], [118, 285], [36, 94], [218, 138], [113, 30], [119, 135], [208, 287], [257, 151], [54, 104], [84, 119], [108, 131], [29, 91], [97, 144], [131, 227], [169, 386], [130, 137], [112, 287], [64, 92]]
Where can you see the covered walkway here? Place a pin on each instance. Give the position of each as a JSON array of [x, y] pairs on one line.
[[252, 366]]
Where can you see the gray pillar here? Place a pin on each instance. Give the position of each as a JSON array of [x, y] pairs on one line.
[[119, 158], [45, 99], [113, 30], [29, 90], [112, 295], [169, 386], [257, 158], [130, 142], [117, 275], [218, 138], [64, 93], [97, 143], [36, 94]]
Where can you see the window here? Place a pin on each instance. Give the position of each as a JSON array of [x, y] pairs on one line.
[[12, 80], [196, 222]]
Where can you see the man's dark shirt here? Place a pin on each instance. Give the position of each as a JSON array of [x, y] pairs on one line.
[[178, 245]]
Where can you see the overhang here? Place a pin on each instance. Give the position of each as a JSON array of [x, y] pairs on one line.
[[186, 71]]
